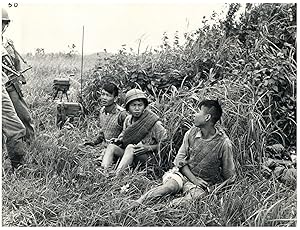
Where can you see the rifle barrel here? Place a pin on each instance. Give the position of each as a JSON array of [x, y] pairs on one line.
[[10, 70], [15, 72], [28, 68]]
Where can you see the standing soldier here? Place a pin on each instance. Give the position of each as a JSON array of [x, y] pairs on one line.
[[12, 127], [11, 65]]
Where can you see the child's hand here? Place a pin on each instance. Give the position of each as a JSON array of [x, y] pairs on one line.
[[200, 182], [112, 140], [115, 141], [140, 149]]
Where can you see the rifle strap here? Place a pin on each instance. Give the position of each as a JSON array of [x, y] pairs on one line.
[[12, 85]]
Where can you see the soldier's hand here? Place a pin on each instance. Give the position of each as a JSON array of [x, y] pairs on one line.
[[22, 79]]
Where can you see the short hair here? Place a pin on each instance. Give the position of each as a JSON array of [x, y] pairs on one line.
[[214, 109], [111, 88]]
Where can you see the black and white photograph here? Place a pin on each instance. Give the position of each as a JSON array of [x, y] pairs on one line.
[[149, 113]]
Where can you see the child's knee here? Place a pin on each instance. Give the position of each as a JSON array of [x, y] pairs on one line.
[[130, 147], [110, 149], [129, 151], [172, 185], [110, 146], [173, 180]]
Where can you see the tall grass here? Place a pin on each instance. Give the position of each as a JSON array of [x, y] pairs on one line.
[[251, 70], [61, 185]]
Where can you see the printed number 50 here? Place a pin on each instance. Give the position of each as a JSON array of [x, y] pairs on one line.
[[13, 4]]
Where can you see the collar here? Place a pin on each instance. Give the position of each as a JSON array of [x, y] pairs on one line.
[[113, 110], [199, 134]]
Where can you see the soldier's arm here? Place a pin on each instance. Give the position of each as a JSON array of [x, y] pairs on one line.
[[17, 62]]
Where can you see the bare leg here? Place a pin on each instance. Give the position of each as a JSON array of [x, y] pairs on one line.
[[111, 151], [190, 195], [127, 158], [169, 187]]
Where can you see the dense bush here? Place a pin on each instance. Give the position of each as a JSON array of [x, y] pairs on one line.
[[250, 59]]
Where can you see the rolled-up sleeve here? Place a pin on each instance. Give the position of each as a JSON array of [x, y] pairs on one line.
[[228, 167], [182, 156]]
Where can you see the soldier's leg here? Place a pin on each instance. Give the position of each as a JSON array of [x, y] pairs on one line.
[[23, 113], [13, 129]]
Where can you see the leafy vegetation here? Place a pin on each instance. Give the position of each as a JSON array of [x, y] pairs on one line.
[[248, 64], [256, 55]]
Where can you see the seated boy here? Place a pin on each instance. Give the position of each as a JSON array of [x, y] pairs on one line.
[[141, 136], [111, 116], [205, 158]]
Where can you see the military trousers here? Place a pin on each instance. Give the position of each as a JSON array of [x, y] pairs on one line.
[[13, 129], [22, 112]]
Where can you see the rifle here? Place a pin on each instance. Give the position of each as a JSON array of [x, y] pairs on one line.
[[13, 81], [9, 42], [16, 73]]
